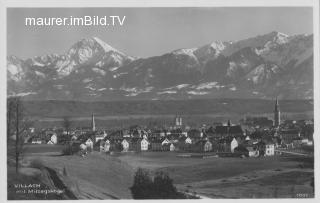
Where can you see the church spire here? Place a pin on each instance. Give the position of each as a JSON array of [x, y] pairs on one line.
[[93, 123], [276, 114], [276, 107]]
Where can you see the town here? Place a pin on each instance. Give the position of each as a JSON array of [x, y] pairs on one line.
[[249, 137]]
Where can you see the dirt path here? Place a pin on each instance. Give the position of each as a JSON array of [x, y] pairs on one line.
[[58, 183]]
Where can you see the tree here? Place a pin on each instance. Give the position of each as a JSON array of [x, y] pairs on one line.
[[142, 185], [16, 125], [161, 187]]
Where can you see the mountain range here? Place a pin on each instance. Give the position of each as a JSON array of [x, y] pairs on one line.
[[262, 67]]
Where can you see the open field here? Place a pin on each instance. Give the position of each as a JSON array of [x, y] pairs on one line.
[[265, 177], [101, 176], [43, 149]]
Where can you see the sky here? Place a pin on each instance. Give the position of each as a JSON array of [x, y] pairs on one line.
[[151, 31]]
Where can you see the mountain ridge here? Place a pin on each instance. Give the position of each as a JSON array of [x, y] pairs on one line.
[[264, 66]]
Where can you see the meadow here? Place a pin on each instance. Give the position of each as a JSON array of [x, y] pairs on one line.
[[102, 176]]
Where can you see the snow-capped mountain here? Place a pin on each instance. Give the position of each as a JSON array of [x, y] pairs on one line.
[[264, 66]]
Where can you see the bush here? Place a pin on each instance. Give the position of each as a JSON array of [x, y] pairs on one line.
[[142, 185], [161, 187]]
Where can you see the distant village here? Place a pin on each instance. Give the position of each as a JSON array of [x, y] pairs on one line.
[[250, 137]]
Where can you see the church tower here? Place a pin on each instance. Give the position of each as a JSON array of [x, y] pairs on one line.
[[178, 121], [276, 122], [93, 123]]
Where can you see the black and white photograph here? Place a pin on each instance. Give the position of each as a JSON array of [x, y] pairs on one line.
[[171, 101]]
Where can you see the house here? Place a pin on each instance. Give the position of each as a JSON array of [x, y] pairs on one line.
[[172, 147], [50, 142], [89, 144], [188, 140], [165, 141], [83, 147], [269, 149], [100, 136], [207, 146], [125, 145], [36, 141], [306, 141], [107, 146], [233, 144], [54, 139], [252, 152], [144, 144], [73, 138]]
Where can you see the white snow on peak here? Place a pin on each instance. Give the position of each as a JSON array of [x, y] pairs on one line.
[[208, 85], [197, 93], [177, 87], [185, 51], [14, 69], [87, 80], [106, 47], [182, 86], [36, 63], [133, 94], [40, 74], [168, 92], [22, 94], [134, 91], [282, 34], [99, 71], [113, 68], [119, 74], [218, 46]]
